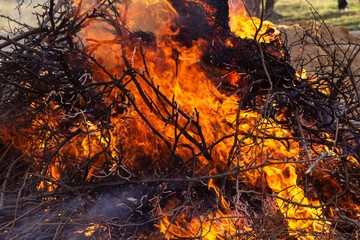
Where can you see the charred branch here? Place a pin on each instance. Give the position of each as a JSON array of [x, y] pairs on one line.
[[104, 148]]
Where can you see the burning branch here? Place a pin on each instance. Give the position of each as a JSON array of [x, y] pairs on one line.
[[109, 128]]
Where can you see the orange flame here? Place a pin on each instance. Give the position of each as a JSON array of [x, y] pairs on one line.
[[250, 27], [191, 88], [193, 92]]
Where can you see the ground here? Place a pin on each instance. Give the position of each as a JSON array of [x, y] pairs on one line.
[[296, 10], [291, 11]]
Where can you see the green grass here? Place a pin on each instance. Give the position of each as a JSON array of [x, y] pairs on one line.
[[293, 11]]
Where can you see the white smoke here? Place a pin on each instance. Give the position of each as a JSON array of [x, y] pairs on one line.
[[20, 10]]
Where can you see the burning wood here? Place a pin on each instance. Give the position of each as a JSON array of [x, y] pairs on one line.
[[170, 119]]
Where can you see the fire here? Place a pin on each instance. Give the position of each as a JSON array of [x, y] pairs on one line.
[[91, 229], [220, 224], [320, 85], [211, 226], [200, 114], [250, 27], [191, 89]]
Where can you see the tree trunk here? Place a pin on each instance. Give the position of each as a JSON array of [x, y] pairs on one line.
[[255, 8]]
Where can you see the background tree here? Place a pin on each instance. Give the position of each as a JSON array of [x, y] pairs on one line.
[[255, 7]]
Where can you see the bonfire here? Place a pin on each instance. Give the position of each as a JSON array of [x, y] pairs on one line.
[[173, 120]]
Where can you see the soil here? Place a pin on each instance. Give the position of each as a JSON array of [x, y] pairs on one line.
[[308, 40]]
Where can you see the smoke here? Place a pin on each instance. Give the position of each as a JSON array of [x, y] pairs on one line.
[[149, 16], [21, 11], [75, 217]]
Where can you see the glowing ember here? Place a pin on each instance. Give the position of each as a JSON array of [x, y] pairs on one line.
[[91, 229]]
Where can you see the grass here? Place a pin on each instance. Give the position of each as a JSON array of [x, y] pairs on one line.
[[293, 11]]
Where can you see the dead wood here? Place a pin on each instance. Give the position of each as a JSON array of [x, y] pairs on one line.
[[54, 93]]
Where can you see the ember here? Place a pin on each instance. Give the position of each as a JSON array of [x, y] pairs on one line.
[[170, 119]]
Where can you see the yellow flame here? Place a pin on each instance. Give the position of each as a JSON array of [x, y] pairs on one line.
[[93, 227], [190, 87], [250, 27]]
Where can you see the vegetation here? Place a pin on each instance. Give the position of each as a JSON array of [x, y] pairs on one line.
[[293, 11]]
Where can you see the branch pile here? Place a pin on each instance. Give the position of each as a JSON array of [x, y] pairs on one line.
[[69, 169]]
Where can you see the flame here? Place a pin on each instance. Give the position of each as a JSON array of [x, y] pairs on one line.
[[193, 92], [250, 27], [91, 229], [320, 85], [210, 227], [221, 223], [302, 75], [191, 89]]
